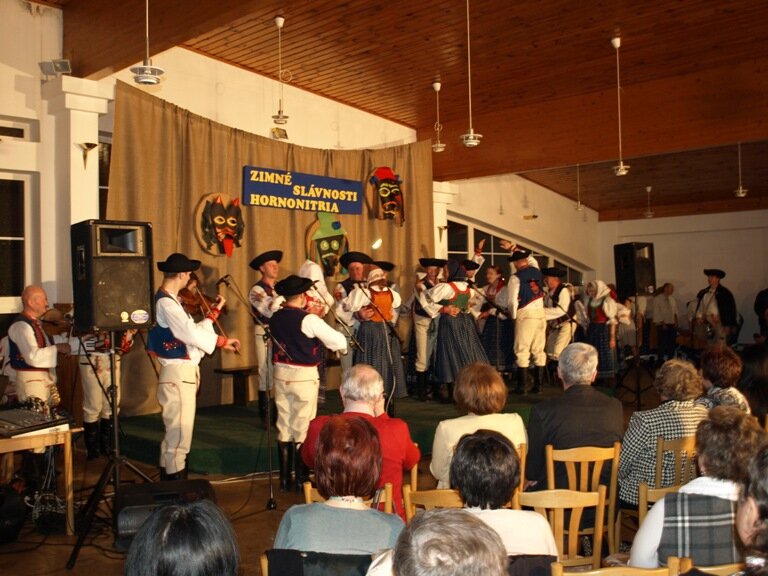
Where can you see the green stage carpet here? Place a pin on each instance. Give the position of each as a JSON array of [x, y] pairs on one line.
[[229, 439]]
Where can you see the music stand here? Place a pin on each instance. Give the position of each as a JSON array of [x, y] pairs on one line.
[[112, 468]]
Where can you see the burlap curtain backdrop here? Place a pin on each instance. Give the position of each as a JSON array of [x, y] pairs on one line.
[[166, 159]]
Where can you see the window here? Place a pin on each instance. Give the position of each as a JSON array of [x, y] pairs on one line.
[[105, 159], [12, 248], [463, 238]]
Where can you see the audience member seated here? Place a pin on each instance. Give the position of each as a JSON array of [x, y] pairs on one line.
[[445, 542], [482, 394], [721, 369], [752, 519], [679, 385], [362, 393], [581, 416], [486, 470], [347, 470], [194, 539], [698, 521], [754, 379]]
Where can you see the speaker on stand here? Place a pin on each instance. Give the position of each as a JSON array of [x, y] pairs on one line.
[[113, 287], [635, 269]]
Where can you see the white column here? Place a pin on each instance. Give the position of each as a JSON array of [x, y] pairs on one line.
[[75, 105], [443, 195]]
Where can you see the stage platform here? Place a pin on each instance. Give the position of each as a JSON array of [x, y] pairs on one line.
[[229, 440]]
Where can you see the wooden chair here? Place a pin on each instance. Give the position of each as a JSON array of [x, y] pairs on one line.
[[686, 564], [522, 454], [584, 466], [297, 563], [672, 569], [552, 504], [311, 495], [415, 473], [649, 496], [683, 454], [429, 500]]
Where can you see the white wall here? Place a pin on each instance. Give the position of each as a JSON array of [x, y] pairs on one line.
[[501, 202], [247, 101], [736, 242]]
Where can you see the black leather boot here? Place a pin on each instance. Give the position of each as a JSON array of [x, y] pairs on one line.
[[284, 452], [91, 437], [105, 436], [448, 399], [421, 386], [538, 379], [522, 380], [302, 472]]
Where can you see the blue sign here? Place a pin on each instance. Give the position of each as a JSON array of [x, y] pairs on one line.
[[296, 191]]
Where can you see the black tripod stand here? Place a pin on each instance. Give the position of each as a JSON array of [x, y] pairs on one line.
[[112, 469], [638, 363]]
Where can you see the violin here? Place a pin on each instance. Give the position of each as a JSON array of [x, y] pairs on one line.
[[55, 323], [193, 300]]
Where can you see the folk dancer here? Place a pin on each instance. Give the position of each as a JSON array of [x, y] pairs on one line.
[[526, 306], [458, 342], [425, 325], [296, 379], [498, 330], [179, 343], [599, 317], [264, 302], [559, 310], [715, 318], [355, 263], [381, 346]]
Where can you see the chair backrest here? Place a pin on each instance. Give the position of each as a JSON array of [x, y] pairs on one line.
[[553, 504], [415, 473], [522, 454], [296, 563], [683, 454], [429, 500], [672, 569], [648, 496], [312, 495], [584, 466], [686, 564]]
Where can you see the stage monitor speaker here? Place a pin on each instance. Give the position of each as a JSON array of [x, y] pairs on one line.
[[635, 269], [135, 503], [112, 276]]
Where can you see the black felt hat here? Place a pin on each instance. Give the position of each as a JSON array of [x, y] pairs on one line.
[[519, 255], [456, 271], [470, 265], [384, 265], [275, 255], [177, 262], [714, 272], [427, 262], [293, 285], [350, 257], [553, 272]]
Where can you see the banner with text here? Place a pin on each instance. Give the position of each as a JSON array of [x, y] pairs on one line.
[[297, 191]]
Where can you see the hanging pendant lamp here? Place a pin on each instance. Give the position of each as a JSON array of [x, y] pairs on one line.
[[648, 212], [620, 169], [280, 117], [579, 206], [470, 139], [146, 73], [740, 192], [437, 146]]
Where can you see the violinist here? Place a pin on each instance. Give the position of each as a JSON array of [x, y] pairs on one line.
[[179, 344], [264, 302], [195, 302]]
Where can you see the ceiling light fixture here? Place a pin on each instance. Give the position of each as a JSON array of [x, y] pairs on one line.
[[740, 192], [437, 146], [579, 206], [620, 169], [470, 139], [648, 212], [146, 73], [280, 117]]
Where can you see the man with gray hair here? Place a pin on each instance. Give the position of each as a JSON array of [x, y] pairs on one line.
[[581, 416], [444, 542], [362, 394]]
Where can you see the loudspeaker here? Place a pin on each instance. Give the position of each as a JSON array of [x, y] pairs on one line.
[[135, 503], [112, 276], [635, 269]]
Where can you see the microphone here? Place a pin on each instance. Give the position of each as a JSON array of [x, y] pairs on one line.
[[224, 280]]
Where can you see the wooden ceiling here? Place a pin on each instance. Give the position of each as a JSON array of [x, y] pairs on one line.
[[694, 77]]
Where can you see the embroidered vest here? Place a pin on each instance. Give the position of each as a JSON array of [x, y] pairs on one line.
[[530, 286], [42, 339], [270, 290], [460, 298], [383, 301], [418, 309], [286, 328], [161, 342]]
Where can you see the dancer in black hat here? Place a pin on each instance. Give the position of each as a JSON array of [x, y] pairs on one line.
[[716, 320]]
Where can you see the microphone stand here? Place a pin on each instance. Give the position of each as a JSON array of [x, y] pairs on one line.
[[339, 322], [269, 341]]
